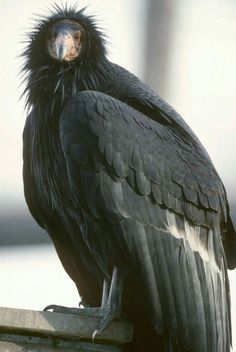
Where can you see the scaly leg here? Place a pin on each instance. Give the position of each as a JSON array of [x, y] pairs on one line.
[[111, 304]]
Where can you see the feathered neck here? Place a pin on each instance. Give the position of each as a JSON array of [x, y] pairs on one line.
[[49, 82]]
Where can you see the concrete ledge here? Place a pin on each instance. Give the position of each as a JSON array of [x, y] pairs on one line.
[[26, 330]]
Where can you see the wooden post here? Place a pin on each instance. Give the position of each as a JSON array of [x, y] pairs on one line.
[[32, 331]]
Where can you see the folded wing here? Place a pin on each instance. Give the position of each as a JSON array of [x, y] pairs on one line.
[[159, 209]]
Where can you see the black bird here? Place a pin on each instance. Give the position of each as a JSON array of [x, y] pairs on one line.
[[135, 208]]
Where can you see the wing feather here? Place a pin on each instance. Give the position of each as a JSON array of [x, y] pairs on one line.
[[159, 195]]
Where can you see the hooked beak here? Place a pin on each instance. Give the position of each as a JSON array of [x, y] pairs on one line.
[[61, 51], [62, 45]]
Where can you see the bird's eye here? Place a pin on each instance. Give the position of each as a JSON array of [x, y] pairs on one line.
[[77, 35]]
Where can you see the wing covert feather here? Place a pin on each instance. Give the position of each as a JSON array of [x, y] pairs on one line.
[[161, 198], [154, 154]]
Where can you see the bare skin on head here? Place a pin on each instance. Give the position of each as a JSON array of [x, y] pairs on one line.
[[65, 40]]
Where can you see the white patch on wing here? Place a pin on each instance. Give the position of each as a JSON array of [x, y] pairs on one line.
[[191, 238]]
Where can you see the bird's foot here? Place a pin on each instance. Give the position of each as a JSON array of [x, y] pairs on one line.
[[110, 308], [108, 314], [105, 314], [92, 311]]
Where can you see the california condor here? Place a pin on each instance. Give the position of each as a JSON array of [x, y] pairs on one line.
[[128, 194]]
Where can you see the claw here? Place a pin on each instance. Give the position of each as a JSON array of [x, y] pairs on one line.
[[50, 307], [95, 333], [83, 304]]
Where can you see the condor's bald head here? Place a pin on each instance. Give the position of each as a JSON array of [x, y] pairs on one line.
[[65, 40]]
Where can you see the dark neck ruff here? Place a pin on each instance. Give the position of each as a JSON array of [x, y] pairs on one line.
[[49, 89]]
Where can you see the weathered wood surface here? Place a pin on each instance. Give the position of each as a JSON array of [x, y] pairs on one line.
[[26, 330]]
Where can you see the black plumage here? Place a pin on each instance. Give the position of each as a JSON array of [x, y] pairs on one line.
[[117, 178]]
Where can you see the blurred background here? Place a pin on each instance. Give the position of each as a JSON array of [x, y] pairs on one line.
[[184, 49]]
